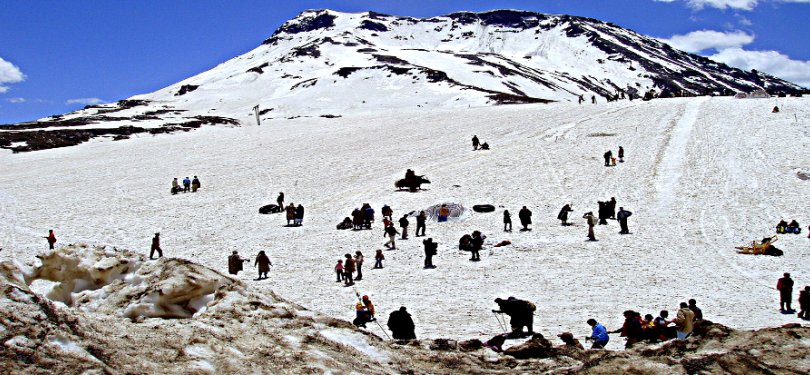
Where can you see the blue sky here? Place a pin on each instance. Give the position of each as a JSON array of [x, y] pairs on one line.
[[58, 56]]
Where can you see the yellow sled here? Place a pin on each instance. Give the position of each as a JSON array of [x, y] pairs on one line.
[[756, 248]]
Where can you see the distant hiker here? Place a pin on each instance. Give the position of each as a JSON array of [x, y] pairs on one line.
[[358, 262], [357, 219], [477, 241], [599, 335], [570, 341], [525, 218], [475, 142], [235, 263], [175, 186], [581, 99], [401, 325], [622, 216], [339, 270], [378, 258], [444, 212], [420, 223], [785, 287], [804, 303], [299, 215], [563, 215], [431, 248], [507, 221], [186, 184], [195, 184], [364, 312], [368, 215], [387, 211], [631, 329], [521, 313], [290, 213], [591, 221], [264, 264], [611, 208], [621, 154], [604, 212], [698, 312], [156, 246], [403, 223], [391, 232], [280, 199], [593, 99], [684, 322], [775, 109], [607, 157], [51, 237], [348, 269]]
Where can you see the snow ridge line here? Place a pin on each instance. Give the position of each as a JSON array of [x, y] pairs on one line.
[[671, 167]]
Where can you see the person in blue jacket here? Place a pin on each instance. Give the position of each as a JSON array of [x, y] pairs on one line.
[[599, 334]]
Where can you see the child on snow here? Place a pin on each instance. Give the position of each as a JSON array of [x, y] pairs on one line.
[[339, 270], [379, 257]]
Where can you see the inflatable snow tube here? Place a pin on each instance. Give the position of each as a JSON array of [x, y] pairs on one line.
[[483, 208], [269, 209]]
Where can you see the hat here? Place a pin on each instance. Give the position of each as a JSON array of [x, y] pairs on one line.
[[234, 252], [365, 297], [566, 335]]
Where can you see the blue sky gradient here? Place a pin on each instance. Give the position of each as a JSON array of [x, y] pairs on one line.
[[57, 56]]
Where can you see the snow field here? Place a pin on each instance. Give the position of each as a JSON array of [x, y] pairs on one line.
[[701, 176]]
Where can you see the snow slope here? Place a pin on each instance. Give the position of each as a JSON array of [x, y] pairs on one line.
[[702, 175]]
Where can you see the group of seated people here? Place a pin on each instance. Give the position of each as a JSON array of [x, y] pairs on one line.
[[784, 227]]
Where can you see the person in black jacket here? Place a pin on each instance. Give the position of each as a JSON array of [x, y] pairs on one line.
[[608, 155], [420, 223], [563, 215], [280, 199], [507, 221], [299, 215], [391, 232], [631, 329], [525, 218], [403, 223], [521, 313], [622, 217], [477, 241], [430, 250], [401, 325], [475, 142]]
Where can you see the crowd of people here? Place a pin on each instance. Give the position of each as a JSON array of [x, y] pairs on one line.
[[189, 185]]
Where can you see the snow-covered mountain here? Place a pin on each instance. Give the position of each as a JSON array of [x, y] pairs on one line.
[[326, 63]]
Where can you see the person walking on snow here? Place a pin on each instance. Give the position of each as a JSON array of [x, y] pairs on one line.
[[299, 215], [563, 215], [475, 142], [599, 335], [235, 263], [264, 264], [339, 270], [391, 232], [477, 241], [51, 238], [622, 217], [525, 218], [403, 223], [608, 155], [507, 221], [785, 287], [378, 258], [156, 246], [430, 250], [591, 221], [611, 208], [358, 262], [280, 200], [804, 303], [290, 213], [420, 223], [621, 154], [348, 269]]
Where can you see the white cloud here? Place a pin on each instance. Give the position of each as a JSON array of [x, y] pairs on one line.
[[770, 62], [16, 100], [85, 101], [9, 74], [702, 40], [729, 4]]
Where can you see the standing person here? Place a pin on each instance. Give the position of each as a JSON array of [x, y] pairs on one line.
[[581, 99], [391, 232], [358, 262], [186, 184], [804, 303], [563, 215], [608, 155], [591, 221], [420, 223], [264, 264], [593, 99], [339, 270], [368, 215], [195, 184], [156, 246], [475, 142], [290, 213], [684, 322], [175, 186], [299, 215], [280, 200], [357, 219], [507, 221], [622, 216], [51, 237], [444, 212], [525, 216], [477, 241], [631, 329], [235, 263], [621, 154], [387, 212], [348, 269], [698, 312], [430, 250], [599, 335], [785, 287], [378, 258], [401, 325], [403, 223], [611, 208]]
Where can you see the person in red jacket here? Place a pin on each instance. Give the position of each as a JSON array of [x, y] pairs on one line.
[[51, 238]]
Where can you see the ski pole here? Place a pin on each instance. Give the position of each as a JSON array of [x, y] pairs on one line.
[[375, 319], [503, 327]]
